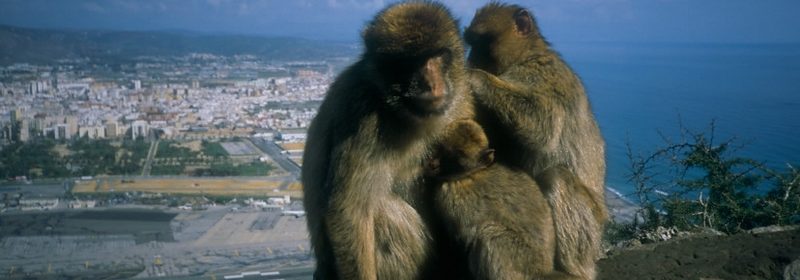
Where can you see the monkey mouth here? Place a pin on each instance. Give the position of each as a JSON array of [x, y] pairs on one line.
[[433, 101], [427, 105]]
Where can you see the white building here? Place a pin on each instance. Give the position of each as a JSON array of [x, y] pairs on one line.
[[38, 86], [293, 135], [82, 203], [92, 132], [62, 131], [139, 128], [37, 204]]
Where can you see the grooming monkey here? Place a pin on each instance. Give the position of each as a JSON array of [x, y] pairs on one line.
[[363, 160], [538, 118], [497, 214]]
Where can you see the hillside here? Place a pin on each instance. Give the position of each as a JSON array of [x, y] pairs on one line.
[[766, 254], [45, 46]]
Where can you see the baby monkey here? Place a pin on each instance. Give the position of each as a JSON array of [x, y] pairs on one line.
[[498, 216]]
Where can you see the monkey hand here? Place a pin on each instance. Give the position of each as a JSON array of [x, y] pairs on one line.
[[483, 83], [478, 80]]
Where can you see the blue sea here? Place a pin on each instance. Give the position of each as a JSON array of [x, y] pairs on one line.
[[641, 91]]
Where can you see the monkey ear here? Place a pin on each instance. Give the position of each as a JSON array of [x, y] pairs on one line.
[[487, 157], [523, 21]]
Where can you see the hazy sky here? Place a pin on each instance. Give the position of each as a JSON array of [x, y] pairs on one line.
[[561, 20]]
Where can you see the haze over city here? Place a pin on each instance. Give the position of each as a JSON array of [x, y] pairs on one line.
[[724, 21]]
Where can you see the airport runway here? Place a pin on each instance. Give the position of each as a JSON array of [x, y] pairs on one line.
[[272, 149]]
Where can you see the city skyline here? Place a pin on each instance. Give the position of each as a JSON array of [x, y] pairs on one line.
[[737, 21]]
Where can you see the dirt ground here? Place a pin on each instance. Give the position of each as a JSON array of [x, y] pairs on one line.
[[188, 185], [740, 256], [194, 146]]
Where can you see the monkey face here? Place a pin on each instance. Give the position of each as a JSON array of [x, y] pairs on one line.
[[456, 164], [480, 53], [419, 86], [416, 59], [488, 43], [482, 159], [498, 36], [462, 152]]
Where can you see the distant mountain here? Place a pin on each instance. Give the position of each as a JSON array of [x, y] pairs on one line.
[[19, 44]]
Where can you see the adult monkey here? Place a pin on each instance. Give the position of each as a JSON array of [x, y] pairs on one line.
[[364, 155], [538, 118]]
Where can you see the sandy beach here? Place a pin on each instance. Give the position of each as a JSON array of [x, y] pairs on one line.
[[620, 209]]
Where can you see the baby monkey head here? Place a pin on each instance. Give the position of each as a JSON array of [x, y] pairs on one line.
[[463, 151]]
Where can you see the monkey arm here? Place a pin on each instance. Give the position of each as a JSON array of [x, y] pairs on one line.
[[535, 114], [350, 218], [316, 192]]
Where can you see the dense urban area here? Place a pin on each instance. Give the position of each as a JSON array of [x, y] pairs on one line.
[[178, 166]]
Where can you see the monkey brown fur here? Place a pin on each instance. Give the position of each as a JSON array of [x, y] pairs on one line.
[[363, 160], [497, 214], [538, 118]]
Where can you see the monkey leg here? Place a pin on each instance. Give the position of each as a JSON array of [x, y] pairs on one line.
[[577, 217]]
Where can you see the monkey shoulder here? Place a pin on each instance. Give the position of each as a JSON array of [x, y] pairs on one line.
[[351, 90], [349, 105]]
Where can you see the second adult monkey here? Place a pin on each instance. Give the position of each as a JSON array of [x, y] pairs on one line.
[[363, 159], [538, 118]]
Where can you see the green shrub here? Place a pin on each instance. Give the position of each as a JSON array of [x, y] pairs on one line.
[[707, 186]]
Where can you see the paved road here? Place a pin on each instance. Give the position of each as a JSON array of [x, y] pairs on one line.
[[151, 154], [272, 149], [291, 273]]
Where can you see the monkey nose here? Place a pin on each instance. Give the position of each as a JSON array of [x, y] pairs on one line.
[[436, 95], [435, 100]]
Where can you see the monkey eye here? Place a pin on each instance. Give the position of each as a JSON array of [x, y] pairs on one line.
[[479, 40], [398, 68], [445, 53], [396, 87], [447, 57], [487, 157], [434, 165]]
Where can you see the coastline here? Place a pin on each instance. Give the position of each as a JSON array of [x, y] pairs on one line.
[[620, 210]]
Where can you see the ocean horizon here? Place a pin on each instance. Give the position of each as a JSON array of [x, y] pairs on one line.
[[641, 93]]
